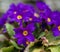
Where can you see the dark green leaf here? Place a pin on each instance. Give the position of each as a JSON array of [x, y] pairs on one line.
[[41, 35]]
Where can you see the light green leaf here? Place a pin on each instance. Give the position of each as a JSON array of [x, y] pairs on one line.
[[7, 49], [52, 40], [10, 29], [55, 48], [14, 44], [37, 50], [50, 36], [0, 50]]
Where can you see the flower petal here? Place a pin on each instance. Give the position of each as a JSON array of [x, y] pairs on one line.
[[56, 32], [30, 37]]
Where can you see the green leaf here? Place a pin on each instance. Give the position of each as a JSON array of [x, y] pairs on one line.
[[41, 35], [38, 25], [10, 29], [1, 44], [55, 48], [35, 46], [52, 40], [7, 49], [15, 44], [37, 50], [4, 43], [50, 36]]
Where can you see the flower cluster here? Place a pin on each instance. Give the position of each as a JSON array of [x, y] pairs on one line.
[[51, 17], [27, 16]]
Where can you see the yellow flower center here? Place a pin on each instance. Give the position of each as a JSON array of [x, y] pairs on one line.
[[25, 33], [36, 15], [30, 19], [15, 12], [19, 17], [49, 20], [27, 42], [59, 28]]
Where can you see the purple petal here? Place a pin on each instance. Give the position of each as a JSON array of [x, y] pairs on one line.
[[21, 41], [30, 37], [31, 27], [56, 32]]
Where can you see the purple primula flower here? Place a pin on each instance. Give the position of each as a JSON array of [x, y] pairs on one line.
[[56, 22], [29, 12], [21, 12], [45, 11], [24, 35], [13, 13]]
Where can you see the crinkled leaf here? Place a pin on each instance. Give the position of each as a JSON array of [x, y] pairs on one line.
[[10, 29], [7, 49], [55, 48], [37, 50], [35, 45], [15, 44], [50, 36], [56, 42], [52, 40]]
